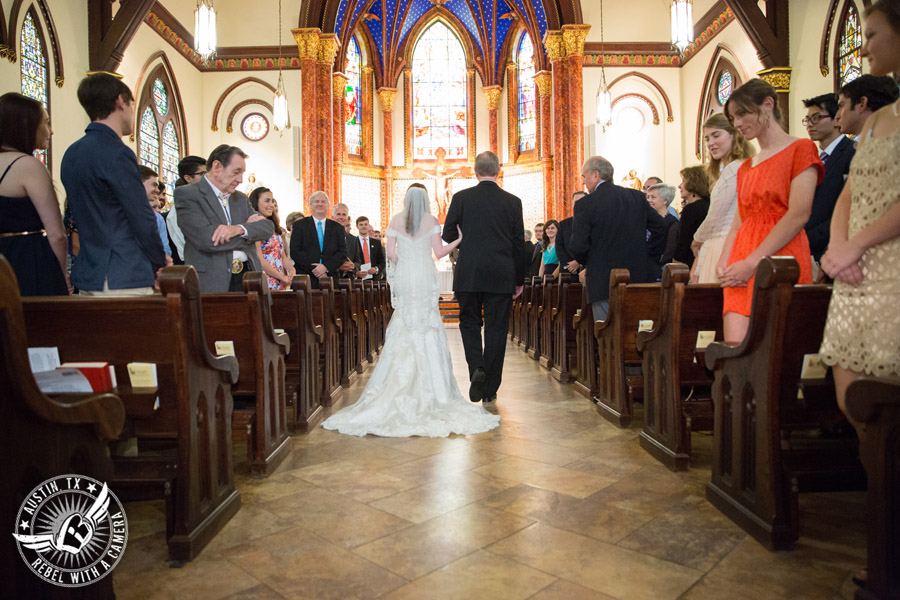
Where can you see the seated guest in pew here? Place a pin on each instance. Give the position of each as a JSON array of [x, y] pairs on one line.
[[654, 180], [549, 260], [860, 98], [220, 227], [694, 189], [564, 237], [775, 191], [120, 251], [32, 236], [727, 150], [371, 252], [862, 332], [611, 225], [150, 179], [318, 244], [271, 252], [660, 198]]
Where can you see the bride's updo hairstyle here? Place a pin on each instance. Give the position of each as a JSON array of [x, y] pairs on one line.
[[415, 206]]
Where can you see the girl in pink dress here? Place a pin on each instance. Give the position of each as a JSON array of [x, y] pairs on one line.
[[278, 267]]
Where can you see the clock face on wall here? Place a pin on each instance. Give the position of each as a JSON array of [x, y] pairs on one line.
[[254, 127]]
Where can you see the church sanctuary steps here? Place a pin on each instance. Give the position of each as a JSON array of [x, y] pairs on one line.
[[760, 459], [185, 447], [568, 301], [677, 388], [43, 437], [550, 290], [245, 320], [876, 403]]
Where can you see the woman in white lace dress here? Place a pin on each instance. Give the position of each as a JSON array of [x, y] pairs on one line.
[[412, 390]]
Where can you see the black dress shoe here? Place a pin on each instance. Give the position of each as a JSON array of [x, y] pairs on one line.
[[490, 398], [476, 389]]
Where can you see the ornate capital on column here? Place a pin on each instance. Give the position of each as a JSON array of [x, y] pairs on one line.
[[573, 37], [544, 82], [555, 45], [307, 40], [339, 85], [777, 77], [387, 95], [492, 96], [328, 48]]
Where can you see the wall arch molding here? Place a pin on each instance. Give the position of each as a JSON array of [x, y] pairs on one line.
[[642, 98], [214, 126], [234, 111], [670, 117]]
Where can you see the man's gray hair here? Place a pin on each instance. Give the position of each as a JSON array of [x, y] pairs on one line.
[[601, 165], [315, 195], [487, 164], [666, 192], [340, 205], [528, 233]]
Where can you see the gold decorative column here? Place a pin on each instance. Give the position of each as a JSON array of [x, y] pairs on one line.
[[512, 116], [339, 87], [780, 79], [492, 97], [328, 48], [544, 144], [308, 44], [556, 52], [387, 96], [470, 96], [573, 37]]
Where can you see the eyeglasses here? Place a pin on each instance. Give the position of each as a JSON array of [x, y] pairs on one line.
[[814, 119], [199, 174]]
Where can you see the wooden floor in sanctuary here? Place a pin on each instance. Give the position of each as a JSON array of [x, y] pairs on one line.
[[556, 503]]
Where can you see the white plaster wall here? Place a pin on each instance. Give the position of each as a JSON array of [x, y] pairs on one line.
[[646, 20], [398, 124]]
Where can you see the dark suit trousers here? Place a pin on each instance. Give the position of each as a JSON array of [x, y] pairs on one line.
[[496, 324]]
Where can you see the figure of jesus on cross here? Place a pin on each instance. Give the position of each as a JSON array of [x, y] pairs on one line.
[[441, 176]]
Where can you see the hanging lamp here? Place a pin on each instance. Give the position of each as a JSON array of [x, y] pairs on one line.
[[205, 29], [682, 24], [280, 114], [604, 98]]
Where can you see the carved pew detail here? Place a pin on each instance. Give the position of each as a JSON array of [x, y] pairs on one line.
[[545, 316], [324, 314], [534, 319], [585, 349], [563, 329]]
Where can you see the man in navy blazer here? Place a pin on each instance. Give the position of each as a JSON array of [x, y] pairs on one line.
[[611, 225], [836, 151], [121, 251], [314, 254]]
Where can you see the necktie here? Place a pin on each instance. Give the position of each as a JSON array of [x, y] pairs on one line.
[[823, 156], [365, 245], [321, 232], [224, 200]]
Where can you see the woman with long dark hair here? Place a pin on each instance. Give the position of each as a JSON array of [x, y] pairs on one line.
[[275, 262]]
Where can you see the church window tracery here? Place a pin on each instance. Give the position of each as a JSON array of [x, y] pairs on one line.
[[724, 87], [527, 105], [35, 76], [159, 130], [849, 46], [353, 100]]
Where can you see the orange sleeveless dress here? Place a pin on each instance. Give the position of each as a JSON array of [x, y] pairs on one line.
[[763, 193]]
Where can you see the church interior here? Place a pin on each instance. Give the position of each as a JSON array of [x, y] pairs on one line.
[[558, 503]]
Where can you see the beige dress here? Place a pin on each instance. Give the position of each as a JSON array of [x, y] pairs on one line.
[[715, 227], [862, 332]]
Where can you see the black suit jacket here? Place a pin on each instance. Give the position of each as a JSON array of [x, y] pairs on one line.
[[493, 236], [354, 254], [563, 240], [837, 167], [305, 247], [537, 258], [611, 227], [376, 255], [692, 216]]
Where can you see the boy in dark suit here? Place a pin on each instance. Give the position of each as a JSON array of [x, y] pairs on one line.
[[318, 245]]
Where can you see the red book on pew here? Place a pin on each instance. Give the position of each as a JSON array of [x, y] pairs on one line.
[[101, 375]]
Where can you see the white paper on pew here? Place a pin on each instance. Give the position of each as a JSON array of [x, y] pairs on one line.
[[645, 325], [705, 338], [278, 330], [61, 381], [813, 367], [225, 348], [43, 359], [142, 375]]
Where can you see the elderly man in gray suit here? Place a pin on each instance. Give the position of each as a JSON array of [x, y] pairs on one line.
[[220, 227]]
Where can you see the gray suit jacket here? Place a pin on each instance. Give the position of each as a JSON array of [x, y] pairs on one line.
[[199, 214]]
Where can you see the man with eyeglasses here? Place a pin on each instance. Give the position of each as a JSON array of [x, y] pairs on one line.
[[836, 151], [190, 169]]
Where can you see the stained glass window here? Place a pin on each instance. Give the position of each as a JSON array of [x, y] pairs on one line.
[[849, 47], [170, 159], [439, 94], [160, 97], [527, 104], [149, 142], [35, 76], [254, 127], [725, 87], [353, 100]]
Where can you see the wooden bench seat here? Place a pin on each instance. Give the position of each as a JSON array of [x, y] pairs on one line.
[[585, 349], [329, 364], [568, 302], [533, 312], [550, 290]]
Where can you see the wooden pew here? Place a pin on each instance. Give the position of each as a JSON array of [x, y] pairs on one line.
[[525, 339], [534, 318], [345, 307], [757, 468], [516, 316], [618, 360], [246, 321], [383, 300], [550, 288], [326, 316], [677, 394], [372, 312], [563, 331], [585, 349], [185, 449], [43, 437], [876, 403], [292, 311]]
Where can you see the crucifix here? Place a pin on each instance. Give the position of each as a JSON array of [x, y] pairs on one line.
[[441, 176]]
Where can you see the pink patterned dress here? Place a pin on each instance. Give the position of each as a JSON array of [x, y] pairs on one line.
[[272, 250]]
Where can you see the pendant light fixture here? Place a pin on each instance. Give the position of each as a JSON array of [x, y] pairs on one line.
[[282, 118], [604, 98], [682, 24], [205, 29]]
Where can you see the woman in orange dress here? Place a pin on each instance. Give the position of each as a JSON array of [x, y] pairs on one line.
[[775, 191]]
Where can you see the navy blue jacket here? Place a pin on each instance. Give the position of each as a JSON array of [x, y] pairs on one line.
[[117, 228], [837, 167]]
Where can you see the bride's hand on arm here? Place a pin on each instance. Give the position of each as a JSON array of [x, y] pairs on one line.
[[391, 249], [437, 244]]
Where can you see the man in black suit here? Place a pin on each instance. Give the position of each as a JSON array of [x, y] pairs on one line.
[[836, 152], [318, 245], [537, 254], [489, 273], [611, 225], [341, 213], [371, 252], [528, 250], [564, 236]]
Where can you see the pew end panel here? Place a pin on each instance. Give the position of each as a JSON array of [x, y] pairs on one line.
[[324, 313], [564, 353], [550, 289], [585, 349]]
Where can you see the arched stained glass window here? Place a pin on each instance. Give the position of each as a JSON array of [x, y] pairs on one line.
[[849, 47], [439, 94], [724, 87], [353, 100], [170, 158], [149, 150], [160, 97], [159, 133], [527, 104], [35, 75]]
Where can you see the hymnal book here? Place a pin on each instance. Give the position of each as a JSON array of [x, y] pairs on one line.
[[225, 348], [43, 359], [366, 267], [645, 325], [705, 338], [142, 375], [101, 375], [63, 381]]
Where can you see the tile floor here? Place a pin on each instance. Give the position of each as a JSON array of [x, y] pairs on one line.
[[555, 504]]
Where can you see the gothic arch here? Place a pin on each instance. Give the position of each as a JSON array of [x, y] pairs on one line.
[[722, 59], [824, 62], [214, 126], [159, 62], [253, 101], [670, 117], [438, 13], [642, 98], [50, 39], [3, 40]]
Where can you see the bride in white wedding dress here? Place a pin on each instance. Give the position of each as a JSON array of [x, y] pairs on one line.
[[412, 390]]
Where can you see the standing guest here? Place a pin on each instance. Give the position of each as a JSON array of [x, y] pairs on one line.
[[376, 235], [611, 225], [318, 244], [775, 192], [291, 219], [694, 188], [31, 229], [660, 197], [549, 260], [527, 252], [150, 178], [564, 235], [862, 333], [120, 250], [537, 256], [654, 180], [341, 213], [835, 151], [190, 169], [727, 150], [370, 251], [271, 252], [860, 98], [220, 227]]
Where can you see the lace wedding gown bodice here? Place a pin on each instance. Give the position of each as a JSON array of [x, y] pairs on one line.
[[412, 390]]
